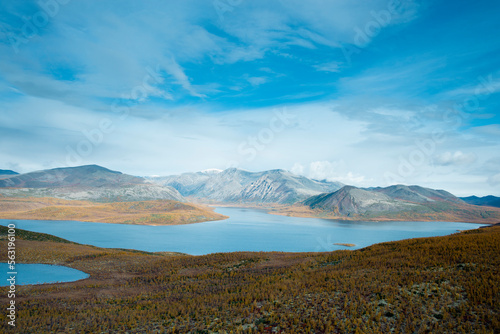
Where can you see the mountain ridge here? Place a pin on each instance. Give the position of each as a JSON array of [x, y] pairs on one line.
[[393, 203], [234, 186], [88, 182], [7, 172], [237, 186], [417, 194], [489, 200], [90, 175]]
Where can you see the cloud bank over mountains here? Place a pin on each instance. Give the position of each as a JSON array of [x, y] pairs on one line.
[[376, 93]]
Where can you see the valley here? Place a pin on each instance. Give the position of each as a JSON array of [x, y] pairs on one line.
[[278, 191], [244, 230], [144, 280], [249, 167]]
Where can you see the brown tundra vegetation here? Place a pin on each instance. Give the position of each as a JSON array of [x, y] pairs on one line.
[[431, 285]]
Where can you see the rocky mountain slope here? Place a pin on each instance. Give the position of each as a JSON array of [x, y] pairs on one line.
[[395, 202], [483, 201], [417, 194], [351, 200], [238, 186], [90, 182]]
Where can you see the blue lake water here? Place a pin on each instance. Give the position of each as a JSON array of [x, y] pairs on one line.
[[39, 273], [245, 230]]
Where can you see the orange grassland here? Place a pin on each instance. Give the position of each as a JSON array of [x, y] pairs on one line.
[[438, 212], [158, 212], [447, 284]]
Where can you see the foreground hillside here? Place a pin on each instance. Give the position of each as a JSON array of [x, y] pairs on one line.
[[431, 285], [159, 212]]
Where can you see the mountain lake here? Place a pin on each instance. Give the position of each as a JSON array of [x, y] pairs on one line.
[[246, 230]]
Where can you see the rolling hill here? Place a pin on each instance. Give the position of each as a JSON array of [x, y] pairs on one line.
[[82, 176], [397, 202], [482, 201], [7, 173], [89, 182], [444, 284]]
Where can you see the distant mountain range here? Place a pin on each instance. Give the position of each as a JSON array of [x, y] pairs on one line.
[[351, 200], [417, 194], [235, 186], [482, 201], [398, 202], [87, 176], [7, 173], [238, 186], [89, 182]]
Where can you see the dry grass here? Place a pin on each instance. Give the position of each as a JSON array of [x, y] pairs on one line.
[[430, 285], [463, 213], [159, 212]]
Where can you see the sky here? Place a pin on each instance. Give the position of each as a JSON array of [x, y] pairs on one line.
[[368, 93]]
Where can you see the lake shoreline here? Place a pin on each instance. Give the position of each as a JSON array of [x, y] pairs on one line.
[[123, 280], [117, 223], [246, 230], [378, 219], [280, 210], [39, 273], [150, 213]]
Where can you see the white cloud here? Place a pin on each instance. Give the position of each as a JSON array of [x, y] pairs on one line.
[[297, 169], [494, 180], [177, 72], [377, 116], [492, 130], [485, 85], [329, 67], [257, 81], [109, 47], [330, 171], [455, 158]]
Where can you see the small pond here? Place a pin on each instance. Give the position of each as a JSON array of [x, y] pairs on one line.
[[30, 273]]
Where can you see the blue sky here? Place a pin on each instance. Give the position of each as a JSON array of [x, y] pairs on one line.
[[366, 93]]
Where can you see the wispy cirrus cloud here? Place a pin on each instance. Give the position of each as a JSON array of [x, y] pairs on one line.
[[329, 67], [194, 84], [329, 171]]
